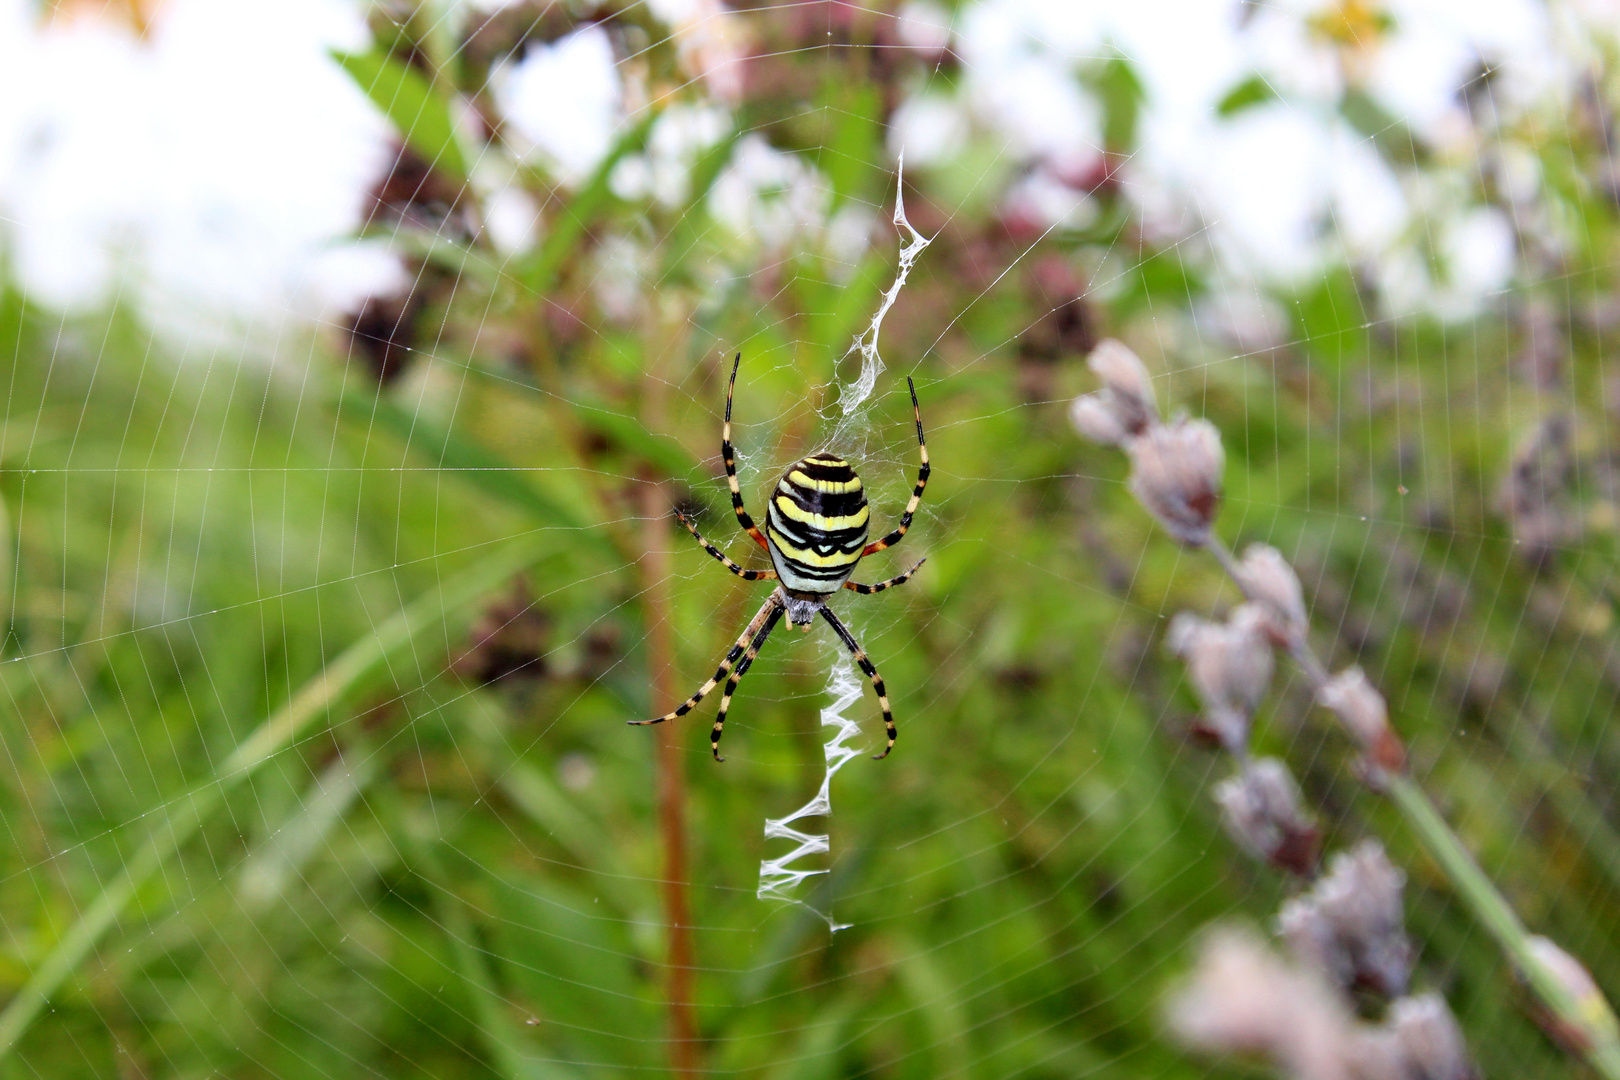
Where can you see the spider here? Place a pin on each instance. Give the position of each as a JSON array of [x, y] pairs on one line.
[[815, 532]]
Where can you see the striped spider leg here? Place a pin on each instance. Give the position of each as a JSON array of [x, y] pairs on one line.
[[749, 575], [753, 638], [916, 492], [730, 458], [865, 665]]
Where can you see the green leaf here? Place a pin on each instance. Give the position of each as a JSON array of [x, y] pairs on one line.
[[540, 271], [1250, 92], [662, 452], [413, 106]]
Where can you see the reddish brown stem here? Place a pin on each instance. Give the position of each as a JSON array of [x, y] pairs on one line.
[[655, 565]]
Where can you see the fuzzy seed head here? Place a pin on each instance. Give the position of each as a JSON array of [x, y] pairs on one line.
[[1229, 665], [1176, 474], [1351, 925], [1267, 579], [1260, 808]]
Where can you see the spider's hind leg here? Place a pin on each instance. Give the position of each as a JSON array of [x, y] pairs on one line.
[[871, 673], [900, 579], [772, 606], [736, 677]]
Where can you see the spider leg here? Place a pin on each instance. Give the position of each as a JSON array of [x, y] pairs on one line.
[[871, 673], [868, 590], [774, 604], [916, 492], [731, 463], [746, 575], [736, 677]]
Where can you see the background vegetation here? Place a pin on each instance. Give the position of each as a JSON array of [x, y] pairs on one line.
[[315, 672]]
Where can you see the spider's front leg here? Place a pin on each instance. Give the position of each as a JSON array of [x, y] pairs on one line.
[[916, 492], [731, 463], [736, 677]]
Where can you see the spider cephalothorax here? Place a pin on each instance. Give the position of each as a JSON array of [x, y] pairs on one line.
[[815, 533]]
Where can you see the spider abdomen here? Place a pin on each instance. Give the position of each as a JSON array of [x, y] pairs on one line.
[[817, 524]]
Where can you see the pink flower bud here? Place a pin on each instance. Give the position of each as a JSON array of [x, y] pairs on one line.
[[1127, 387], [1094, 417], [1429, 1039], [1260, 808], [1351, 925], [1360, 707], [1176, 474], [1229, 665], [1244, 999], [1267, 579]]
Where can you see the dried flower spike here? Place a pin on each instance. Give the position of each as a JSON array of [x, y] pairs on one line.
[[1176, 475], [1260, 808], [1359, 705], [1267, 579], [1229, 665], [1351, 925], [1244, 999]]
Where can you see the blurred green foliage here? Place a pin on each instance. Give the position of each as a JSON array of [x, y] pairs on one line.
[[453, 870]]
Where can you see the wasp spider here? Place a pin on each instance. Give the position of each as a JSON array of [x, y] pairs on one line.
[[815, 532]]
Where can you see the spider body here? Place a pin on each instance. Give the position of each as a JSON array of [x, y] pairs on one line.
[[816, 527], [816, 530]]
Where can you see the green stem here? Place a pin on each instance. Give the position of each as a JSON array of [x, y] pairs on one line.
[[356, 668]]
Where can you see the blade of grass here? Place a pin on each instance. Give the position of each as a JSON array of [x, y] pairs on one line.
[[273, 866], [539, 273], [540, 799], [478, 465], [409, 101], [510, 1053], [441, 613]]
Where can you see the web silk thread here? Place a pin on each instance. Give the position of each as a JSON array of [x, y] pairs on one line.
[[853, 395], [778, 878]]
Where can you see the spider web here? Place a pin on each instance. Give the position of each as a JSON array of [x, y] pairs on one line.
[[439, 857]]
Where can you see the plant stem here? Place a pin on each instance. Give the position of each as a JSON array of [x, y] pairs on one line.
[[1601, 1046], [655, 565], [1598, 1038]]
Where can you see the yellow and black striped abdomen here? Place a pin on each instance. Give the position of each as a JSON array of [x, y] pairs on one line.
[[817, 524]]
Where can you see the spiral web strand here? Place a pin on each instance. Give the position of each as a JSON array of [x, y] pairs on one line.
[[779, 877]]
